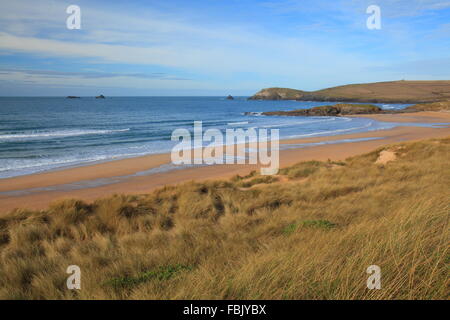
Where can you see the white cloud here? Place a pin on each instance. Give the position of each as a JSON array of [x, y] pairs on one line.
[[201, 47], [152, 39]]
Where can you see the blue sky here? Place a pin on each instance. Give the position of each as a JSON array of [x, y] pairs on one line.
[[217, 47]]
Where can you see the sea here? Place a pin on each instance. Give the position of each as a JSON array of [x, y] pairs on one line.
[[46, 133]]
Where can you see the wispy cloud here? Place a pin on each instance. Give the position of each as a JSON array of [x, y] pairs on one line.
[[90, 74], [306, 44]]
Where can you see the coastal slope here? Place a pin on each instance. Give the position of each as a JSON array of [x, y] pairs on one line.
[[249, 237], [377, 92]]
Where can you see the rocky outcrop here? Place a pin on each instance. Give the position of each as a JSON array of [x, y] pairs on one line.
[[278, 94], [336, 110], [230, 97], [100, 97], [72, 97], [344, 109]]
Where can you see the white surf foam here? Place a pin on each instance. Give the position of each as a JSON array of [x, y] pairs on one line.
[[330, 132], [57, 134], [237, 123]]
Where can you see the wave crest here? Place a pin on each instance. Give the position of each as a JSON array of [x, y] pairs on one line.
[[57, 134]]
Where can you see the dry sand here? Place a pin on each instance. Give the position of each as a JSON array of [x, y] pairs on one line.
[[39, 199]]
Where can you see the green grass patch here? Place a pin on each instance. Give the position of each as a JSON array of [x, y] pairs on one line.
[[160, 274], [322, 224], [290, 228]]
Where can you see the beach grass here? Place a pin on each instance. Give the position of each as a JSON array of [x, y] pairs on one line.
[[308, 233]]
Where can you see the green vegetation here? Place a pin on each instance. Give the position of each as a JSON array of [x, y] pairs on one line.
[[162, 273]]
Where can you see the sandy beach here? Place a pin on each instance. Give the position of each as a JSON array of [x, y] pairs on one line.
[[37, 191]]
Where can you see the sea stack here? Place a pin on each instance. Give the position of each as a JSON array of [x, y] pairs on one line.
[[230, 97]]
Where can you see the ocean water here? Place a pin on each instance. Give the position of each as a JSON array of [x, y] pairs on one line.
[[39, 134]]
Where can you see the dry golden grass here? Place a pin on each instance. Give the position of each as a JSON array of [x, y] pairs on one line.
[[311, 238]]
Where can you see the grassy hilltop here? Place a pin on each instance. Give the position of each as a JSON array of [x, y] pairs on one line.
[[378, 92], [343, 109], [308, 233]]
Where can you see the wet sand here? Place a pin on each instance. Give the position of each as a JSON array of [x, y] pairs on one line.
[[57, 181]]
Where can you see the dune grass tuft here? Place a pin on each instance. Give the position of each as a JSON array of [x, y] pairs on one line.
[[161, 274]]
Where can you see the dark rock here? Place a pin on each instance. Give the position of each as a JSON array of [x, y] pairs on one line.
[[230, 97], [100, 97], [333, 111]]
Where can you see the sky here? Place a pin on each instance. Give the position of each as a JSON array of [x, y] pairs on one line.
[[217, 47]]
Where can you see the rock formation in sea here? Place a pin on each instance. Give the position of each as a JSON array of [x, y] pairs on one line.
[[335, 110], [343, 109]]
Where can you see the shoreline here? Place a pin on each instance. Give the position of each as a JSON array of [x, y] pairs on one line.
[[146, 183]]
